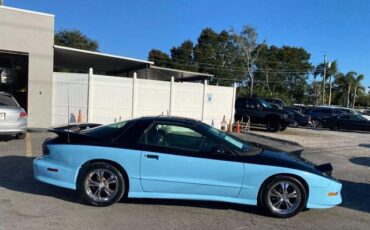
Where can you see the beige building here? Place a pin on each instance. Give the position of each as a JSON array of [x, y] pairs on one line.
[[29, 59], [26, 45]]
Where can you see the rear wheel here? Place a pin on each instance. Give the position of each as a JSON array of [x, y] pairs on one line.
[[21, 135], [283, 128], [101, 184], [284, 197], [273, 126]]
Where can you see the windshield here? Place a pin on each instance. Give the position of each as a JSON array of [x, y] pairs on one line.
[[7, 100], [265, 104], [106, 131], [232, 141]]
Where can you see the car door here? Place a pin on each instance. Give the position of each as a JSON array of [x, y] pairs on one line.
[[178, 160]]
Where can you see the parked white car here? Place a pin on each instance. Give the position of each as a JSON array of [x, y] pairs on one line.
[[13, 118]]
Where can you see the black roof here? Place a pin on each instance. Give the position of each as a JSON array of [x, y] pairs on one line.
[[184, 120]]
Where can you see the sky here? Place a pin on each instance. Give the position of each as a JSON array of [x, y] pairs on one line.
[[339, 28]]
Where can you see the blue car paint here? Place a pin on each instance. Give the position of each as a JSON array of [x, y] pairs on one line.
[[179, 177]]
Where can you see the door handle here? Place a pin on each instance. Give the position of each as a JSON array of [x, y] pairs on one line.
[[150, 156]]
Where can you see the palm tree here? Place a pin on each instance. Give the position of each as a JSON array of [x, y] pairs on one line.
[[331, 71], [356, 84], [345, 82]]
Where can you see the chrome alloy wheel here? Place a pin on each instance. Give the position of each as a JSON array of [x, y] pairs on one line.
[[101, 185], [284, 197]]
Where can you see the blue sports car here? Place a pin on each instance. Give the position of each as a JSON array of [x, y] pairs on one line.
[[180, 158]]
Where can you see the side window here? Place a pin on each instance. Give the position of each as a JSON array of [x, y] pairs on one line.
[[252, 104], [174, 136], [240, 103]]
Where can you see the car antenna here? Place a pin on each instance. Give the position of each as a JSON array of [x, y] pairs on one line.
[[68, 113]]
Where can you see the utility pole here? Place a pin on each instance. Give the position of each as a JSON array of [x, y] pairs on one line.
[[323, 81], [329, 64]]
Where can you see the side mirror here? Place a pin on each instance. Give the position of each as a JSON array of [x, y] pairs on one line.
[[219, 150]]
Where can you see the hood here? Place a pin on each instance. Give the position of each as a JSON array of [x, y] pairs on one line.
[[288, 160]]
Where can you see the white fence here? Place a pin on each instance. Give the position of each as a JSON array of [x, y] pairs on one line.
[[105, 99]]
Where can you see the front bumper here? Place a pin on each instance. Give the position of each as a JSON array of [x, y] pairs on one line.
[[13, 128], [53, 172], [319, 197]]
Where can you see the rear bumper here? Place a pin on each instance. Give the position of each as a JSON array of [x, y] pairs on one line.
[[319, 197], [13, 127], [53, 172]]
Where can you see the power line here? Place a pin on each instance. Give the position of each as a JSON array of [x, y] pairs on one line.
[[220, 67]]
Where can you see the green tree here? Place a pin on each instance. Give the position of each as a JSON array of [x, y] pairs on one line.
[[160, 58], [214, 53], [331, 69], [75, 39], [356, 84], [283, 72], [182, 56]]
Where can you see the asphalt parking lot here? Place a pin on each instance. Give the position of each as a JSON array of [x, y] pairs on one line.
[[28, 204]]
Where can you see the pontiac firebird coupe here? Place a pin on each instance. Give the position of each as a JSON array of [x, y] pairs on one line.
[[180, 158]]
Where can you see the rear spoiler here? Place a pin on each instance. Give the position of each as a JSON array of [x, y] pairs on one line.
[[325, 168], [75, 127]]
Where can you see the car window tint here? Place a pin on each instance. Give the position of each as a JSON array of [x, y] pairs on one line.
[[240, 103], [106, 131], [7, 100], [174, 136], [252, 104]]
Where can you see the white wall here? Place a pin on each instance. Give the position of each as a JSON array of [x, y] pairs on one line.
[[105, 99]]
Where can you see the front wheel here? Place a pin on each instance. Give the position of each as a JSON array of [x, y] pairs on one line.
[[284, 197], [101, 184], [273, 126]]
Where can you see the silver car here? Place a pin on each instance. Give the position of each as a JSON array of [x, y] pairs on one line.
[[13, 118]]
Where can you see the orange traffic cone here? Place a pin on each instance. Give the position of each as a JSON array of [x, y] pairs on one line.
[[229, 126], [238, 127], [223, 124], [79, 117]]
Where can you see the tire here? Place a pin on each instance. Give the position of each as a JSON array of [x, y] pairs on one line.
[[273, 126], [283, 128], [20, 136], [101, 184], [277, 202]]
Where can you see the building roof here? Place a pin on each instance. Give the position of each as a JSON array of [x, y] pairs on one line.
[[108, 64], [180, 75], [26, 11], [82, 60]]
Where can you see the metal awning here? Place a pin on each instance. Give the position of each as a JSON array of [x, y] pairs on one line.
[[77, 60], [82, 60], [179, 75]]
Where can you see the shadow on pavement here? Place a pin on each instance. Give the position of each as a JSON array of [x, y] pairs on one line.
[[6, 138], [356, 196], [364, 145], [364, 161], [16, 174], [199, 204]]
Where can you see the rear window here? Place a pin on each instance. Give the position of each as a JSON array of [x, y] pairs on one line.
[[7, 100], [106, 131]]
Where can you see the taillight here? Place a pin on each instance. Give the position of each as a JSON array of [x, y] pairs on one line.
[[22, 115]]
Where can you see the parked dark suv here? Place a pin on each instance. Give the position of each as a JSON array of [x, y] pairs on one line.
[[261, 112], [319, 113]]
